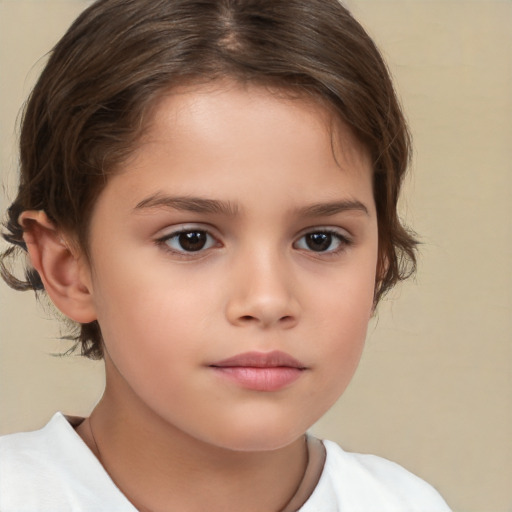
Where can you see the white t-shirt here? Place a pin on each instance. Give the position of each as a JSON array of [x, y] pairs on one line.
[[53, 470]]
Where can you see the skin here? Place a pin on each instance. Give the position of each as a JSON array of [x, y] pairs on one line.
[[167, 417]]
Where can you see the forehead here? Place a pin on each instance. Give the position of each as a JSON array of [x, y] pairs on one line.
[[223, 103], [236, 137]]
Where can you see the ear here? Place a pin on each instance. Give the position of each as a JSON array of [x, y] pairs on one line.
[[64, 271]]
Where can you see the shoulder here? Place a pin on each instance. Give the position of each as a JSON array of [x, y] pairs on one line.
[[367, 483], [51, 470], [48, 451]]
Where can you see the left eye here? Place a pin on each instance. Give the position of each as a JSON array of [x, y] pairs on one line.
[[193, 240], [322, 241]]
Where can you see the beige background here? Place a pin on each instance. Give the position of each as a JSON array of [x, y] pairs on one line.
[[434, 391]]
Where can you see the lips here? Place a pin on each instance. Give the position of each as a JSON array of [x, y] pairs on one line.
[[260, 371]]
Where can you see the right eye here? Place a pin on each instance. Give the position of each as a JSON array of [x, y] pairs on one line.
[[189, 241]]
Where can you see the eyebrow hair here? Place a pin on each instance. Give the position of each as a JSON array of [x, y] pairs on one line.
[[189, 204], [332, 208], [203, 205]]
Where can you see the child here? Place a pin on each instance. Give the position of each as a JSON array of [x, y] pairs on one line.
[[208, 189]]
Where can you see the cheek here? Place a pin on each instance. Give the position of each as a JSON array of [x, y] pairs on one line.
[[347, 299], [150, 344], [154, 314], [343, 317]]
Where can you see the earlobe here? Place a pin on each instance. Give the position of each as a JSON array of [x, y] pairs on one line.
[[63, 270]]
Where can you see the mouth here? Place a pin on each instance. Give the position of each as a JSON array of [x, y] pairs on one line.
[[260, 371]]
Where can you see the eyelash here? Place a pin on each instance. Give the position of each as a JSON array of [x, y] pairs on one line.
[[343, 241], [165, 241]]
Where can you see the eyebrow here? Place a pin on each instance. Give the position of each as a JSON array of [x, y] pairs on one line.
[[332, 208], [189, 204], [203, 205]]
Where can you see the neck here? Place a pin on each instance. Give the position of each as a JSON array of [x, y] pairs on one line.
[[154, 464]]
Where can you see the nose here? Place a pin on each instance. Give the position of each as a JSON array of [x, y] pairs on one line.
[[263, 292]]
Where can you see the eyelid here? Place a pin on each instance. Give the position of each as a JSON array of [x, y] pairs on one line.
[[344, 237], [184, 227], [334, 230], [173, 231]]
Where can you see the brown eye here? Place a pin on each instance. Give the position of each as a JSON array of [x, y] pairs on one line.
[[322, 242], [318, 242], [190, 241]]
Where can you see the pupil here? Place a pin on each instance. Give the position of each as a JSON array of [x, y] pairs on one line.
[[193, 240], [318, 241]]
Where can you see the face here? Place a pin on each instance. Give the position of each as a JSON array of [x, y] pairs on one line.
[[233, 265]]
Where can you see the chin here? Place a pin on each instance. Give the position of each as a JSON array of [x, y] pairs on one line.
[[258, 445], [258, 438]]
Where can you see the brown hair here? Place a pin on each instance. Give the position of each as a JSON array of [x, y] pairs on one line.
[[88, 107]]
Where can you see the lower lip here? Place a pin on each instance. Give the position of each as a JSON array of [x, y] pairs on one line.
[[260, 379]]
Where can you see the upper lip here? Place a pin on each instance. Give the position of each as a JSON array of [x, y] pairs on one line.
[[272, 359]]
